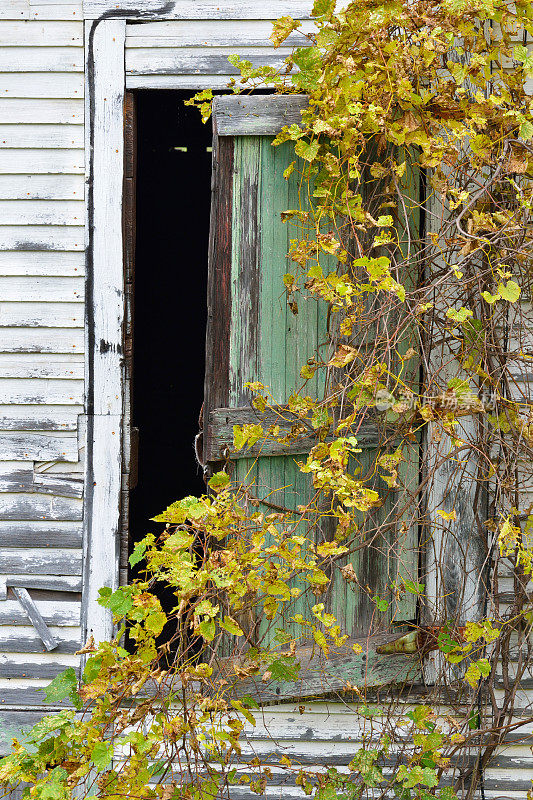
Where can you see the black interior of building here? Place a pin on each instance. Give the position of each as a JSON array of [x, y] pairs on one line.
[[172, 230]]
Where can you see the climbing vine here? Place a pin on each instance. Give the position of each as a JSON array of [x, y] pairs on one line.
[[414, 164]]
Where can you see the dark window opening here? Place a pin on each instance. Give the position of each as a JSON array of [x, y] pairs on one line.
[[169, 320]]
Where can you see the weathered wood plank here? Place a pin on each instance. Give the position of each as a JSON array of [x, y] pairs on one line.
[[43, 671], [18, 641], [176, 61], [36, 34], [25, 561], [38, 136], [30, 446], [21, 506], [34, 391], [38, 418], [16, 476], [319, 675], [17, 110], [49, 583], [41, 340], [36, 619], [194, 82], [105, 318], [40, 533], [53, 613], [200, 9], [208, 33], [40, 315], [253, 116], [42, 187], [41, 237], [67, 367], [50, 161], [222, 420], [41, 59], [42, 84]]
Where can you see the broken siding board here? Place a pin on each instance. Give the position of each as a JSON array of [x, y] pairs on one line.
[[33, 391], [41, 237], [42, 84], [36, 289], [37, 34], [39, 418], [208, 33], [42, 187], [201, 9], [169, 61], [36, 620], [41, 340], [45, 161], [20, 477], [40, 533], [25, 561], [41, 59], [194, 82], [30, 446], [40, 315], [56, 484], [16, 110], [37, 136]]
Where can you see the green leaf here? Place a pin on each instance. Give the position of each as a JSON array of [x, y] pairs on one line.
[[219, 481], [118, 602], [282, 28], [206, 629], [510, 291], [321, 7], [92, 668], [101, 754], [64, 685], [138, 553], [306, 150], [284, 668], [231, 626], [155, 622], [526, 129]]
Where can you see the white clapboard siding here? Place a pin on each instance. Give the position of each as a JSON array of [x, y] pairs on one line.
[[196, 61], [18, 110], [15, 9], [41, 366], [56, 11], [32, 446], [208, 33], [40, 34], [41, 237], [38, 84], [39, 417], [41, 187], [36, 289], [34, 560], [36, 136], [33, 391], [25, 640], [41, 59], [41, 340], [45, 161], [40, 533], [40, 315], [204, 9], [41, 212], [16, 262]]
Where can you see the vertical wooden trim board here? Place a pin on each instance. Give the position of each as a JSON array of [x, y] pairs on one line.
[[104, 42]]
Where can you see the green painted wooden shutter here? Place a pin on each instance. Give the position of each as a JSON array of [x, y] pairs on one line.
[[254, 336]]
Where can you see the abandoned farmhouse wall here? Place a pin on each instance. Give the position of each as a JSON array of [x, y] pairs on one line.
[[44, 175]]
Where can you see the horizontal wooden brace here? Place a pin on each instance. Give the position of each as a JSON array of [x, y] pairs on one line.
[[222, 420], [341, 669], [257, 115]]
